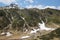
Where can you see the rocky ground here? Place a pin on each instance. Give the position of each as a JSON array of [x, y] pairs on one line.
[[40, 35]]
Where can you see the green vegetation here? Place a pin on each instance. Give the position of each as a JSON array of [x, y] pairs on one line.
[[32, 17], [18, 20]]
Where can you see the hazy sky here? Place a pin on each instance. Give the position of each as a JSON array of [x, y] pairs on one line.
[[41, 4]]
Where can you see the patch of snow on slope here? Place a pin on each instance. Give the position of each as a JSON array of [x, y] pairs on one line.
[[43, 27], [8, 34], [2, 33], [34, 31], [25, 37], [23, 18]]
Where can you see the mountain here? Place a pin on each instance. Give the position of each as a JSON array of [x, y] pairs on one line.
[[14, 18]]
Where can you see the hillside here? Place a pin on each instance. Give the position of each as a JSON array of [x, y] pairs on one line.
[[16, 19]]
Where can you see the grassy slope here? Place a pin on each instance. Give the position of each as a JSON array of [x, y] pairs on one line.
[[32, 16]]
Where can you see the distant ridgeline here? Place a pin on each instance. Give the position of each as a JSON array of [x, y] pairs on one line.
[[9, 7], [12, 17]]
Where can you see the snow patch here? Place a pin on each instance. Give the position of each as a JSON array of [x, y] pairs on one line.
[[8, 34], [43, 27], [34, 31], [26, 31], [25, 37], [23, 18], [2, 33]]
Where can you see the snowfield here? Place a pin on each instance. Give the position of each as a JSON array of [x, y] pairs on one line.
[[43, 27]]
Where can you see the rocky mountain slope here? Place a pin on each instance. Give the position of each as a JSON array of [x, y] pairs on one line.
[[15, 18], [12, 18]]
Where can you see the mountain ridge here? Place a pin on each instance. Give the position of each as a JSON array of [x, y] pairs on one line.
[[32, 17]]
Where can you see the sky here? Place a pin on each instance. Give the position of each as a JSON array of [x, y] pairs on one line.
[[40, 4]]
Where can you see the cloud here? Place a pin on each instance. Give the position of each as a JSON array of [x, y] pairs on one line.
[[35, 6], [42, 7], [30, 1], [58, 7], [53, 7], [7, 1]]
